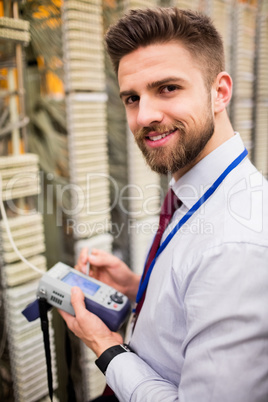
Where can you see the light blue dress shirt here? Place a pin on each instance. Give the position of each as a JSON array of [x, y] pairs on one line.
[[202, 334]]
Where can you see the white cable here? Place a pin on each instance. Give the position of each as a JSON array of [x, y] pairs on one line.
[[5, 220]]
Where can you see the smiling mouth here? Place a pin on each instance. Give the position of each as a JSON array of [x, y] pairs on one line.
[[160, 136]]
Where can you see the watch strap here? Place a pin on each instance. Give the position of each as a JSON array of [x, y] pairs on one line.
[[107, 356]]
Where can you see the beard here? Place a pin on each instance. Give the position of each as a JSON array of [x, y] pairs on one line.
[[188, 145]]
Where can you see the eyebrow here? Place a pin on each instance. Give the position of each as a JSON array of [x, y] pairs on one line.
[[153, 85]]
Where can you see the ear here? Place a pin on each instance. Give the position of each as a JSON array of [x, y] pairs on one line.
[[222, 91]]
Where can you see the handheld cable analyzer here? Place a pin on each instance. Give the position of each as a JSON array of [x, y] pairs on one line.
[[55, 285]]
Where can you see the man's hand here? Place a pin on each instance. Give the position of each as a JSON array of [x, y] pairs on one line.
[[88, 327], [111, 270]]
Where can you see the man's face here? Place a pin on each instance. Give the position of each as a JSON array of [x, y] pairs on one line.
[[168, 106]]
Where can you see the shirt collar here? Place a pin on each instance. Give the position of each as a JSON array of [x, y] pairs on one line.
[[191, 186]]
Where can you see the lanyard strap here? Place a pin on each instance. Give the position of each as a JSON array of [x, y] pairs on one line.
[[184, 219]]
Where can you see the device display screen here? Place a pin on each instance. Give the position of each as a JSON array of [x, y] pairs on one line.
[[86, 285]]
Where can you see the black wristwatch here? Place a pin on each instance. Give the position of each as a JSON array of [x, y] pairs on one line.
[[107, 356]]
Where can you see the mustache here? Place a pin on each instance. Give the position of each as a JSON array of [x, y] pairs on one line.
[[159, 128]]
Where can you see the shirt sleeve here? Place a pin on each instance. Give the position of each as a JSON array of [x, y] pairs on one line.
[[134, 380], [226, 345]]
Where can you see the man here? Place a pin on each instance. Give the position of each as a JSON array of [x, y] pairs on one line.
[[202, 332]]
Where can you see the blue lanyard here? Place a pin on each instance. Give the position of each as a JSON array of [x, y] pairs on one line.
[[184, 219]]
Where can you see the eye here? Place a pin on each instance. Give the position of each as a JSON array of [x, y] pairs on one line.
[[131, 99], [169, 88]]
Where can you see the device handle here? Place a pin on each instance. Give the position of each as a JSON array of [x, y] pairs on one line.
[[43, 309]]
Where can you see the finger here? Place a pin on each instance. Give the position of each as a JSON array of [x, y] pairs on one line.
[[83, 256], [82, 260], [78, 301], [100, 258], [93, 271], [64, 315]]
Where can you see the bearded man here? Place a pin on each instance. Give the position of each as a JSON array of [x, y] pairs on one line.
[[200, 330]]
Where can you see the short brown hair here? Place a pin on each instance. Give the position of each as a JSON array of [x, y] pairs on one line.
[[140, 28]]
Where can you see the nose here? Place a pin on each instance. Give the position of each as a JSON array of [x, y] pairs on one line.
[[149, 112]]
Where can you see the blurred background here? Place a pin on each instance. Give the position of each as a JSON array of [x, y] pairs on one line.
[[72, 175]]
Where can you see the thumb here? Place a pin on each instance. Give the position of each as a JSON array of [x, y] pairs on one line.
[[100, 258], [77, 300]]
